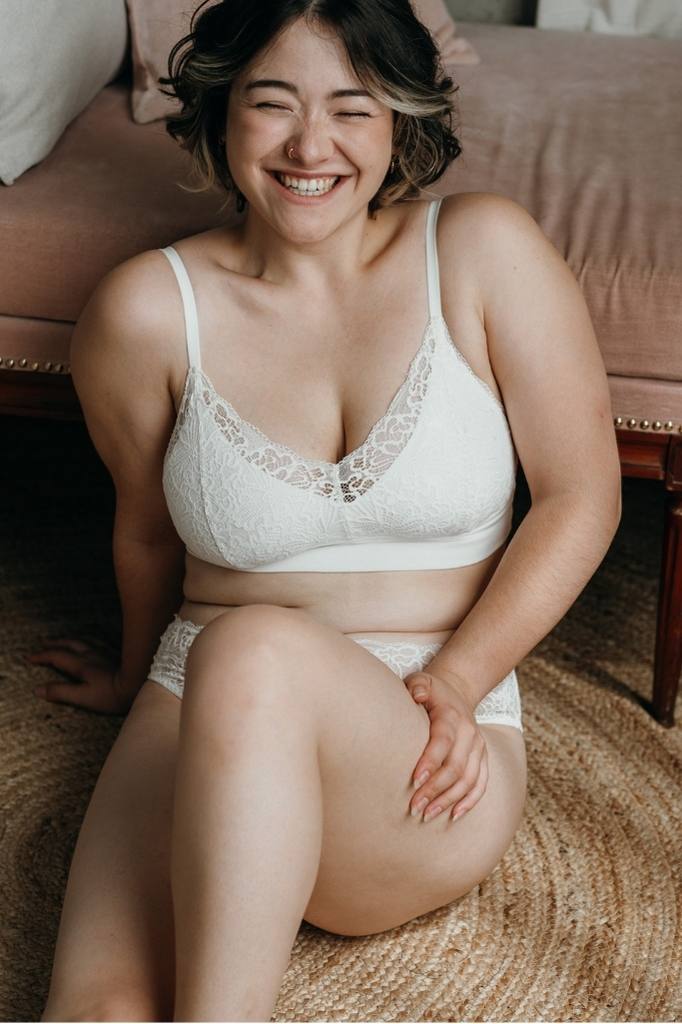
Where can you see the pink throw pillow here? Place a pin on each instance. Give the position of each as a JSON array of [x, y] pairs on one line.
[[155, 25]]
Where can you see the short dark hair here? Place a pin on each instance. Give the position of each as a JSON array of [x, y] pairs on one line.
[[391, 52]]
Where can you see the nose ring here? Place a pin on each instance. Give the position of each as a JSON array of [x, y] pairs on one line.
[[290, 152]]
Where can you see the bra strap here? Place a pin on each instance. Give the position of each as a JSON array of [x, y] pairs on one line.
[[189, 306], [432, 273]]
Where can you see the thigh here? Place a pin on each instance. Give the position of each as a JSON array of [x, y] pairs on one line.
[[115, 946], [379, 866]]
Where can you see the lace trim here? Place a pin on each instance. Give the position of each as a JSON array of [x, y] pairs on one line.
[[357, 472], [501, 706], [168, 664]]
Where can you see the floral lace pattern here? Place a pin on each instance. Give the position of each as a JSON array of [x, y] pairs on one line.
[[352, 476], [439, 463], [501, 706]]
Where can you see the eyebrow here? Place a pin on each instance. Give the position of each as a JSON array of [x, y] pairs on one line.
[[275, 83]]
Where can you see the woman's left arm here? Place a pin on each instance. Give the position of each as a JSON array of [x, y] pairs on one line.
[[546, 360]]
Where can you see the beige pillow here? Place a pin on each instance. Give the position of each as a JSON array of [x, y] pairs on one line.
[[156, 25], [56, 56], [624, 17]]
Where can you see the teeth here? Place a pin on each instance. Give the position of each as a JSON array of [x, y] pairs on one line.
[[307, 186]]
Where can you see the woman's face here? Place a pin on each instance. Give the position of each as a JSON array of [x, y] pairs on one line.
[[290, 96]]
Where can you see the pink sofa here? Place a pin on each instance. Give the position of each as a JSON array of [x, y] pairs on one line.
[[584, 130]]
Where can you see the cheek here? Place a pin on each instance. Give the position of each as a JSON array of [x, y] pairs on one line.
[[251, 136]]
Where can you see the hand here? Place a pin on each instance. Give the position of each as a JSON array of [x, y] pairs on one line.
[[93, 673], [456, 755]]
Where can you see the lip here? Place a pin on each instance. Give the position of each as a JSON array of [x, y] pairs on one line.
[[305, 200]]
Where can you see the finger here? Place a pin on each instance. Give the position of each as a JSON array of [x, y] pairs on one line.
[[441, 783], [446, 731], [445, 795], [63, 693], [73, 645], [452, 782], [440, 743], [67, 643], [60, 659], [76, 694], [472, 798], [419, 686]]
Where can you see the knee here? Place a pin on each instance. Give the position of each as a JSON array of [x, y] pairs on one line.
[[109, 1005], [250, 641]]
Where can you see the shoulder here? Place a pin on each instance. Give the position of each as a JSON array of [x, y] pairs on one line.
[[485, 219], [135, 313], [496, 238], [129, 293], [483, 208]]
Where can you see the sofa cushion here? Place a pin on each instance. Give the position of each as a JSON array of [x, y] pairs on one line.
[[156, 25], [56, 56]]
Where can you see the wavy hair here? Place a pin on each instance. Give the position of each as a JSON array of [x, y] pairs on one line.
[[391, 52]]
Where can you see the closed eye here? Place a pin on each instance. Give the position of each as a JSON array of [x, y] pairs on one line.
[[342, 113]]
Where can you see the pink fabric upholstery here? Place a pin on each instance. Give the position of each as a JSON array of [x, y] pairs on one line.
[[106, 191], [585, 131]]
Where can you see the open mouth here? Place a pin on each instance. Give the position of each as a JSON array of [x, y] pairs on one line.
[[307, 187]]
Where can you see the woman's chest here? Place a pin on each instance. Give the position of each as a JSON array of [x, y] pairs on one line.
[[317, 376]]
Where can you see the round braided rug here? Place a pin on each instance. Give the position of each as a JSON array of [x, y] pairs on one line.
[[581, 920]]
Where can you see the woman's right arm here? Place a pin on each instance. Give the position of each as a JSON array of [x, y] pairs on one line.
[[120, 364]]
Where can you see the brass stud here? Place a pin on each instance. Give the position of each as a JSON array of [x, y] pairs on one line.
[[67, 367], [632, 423], [48, 365], [644, 424], [0, 360], [668, 425], [23, 362], [618, 421], [10, 363], [34, 366], [58, 367], [656, 425]]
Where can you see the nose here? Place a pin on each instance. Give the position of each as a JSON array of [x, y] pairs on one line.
[[312, 144]]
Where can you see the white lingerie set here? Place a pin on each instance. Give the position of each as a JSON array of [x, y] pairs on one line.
[[431, 487]]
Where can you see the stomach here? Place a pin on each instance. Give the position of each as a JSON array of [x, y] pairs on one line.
[[416, 605]]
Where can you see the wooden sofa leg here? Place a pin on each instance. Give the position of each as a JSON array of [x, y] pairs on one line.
[[668, 655]]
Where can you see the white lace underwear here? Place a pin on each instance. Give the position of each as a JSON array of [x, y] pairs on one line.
[[501, 706]]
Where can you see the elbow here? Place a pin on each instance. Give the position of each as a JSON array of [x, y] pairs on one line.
[[614, 500], [609, 511]]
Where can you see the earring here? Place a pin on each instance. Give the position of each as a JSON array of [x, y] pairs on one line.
[[393, 160]]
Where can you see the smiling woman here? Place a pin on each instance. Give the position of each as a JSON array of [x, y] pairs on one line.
[[330, 470], [380, 44]]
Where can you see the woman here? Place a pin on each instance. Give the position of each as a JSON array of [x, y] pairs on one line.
[[354, 538]]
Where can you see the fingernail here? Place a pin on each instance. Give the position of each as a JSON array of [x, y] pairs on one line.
[[419, 807], [421, 779], [419, 693], [432, 813], [458, 815]]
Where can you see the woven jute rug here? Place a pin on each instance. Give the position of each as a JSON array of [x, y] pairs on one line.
[[582, 919]]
